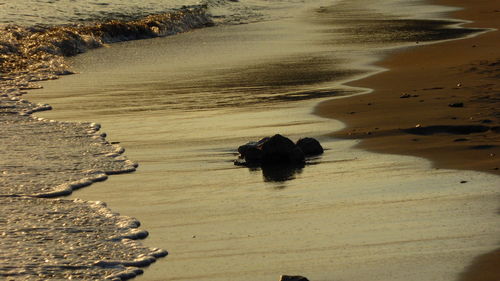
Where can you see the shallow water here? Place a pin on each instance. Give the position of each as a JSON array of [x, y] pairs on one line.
[[181, 109], [57, 12], [70, 11]]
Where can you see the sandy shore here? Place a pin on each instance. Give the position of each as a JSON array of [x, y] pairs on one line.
[[416, 94], [433, 77]]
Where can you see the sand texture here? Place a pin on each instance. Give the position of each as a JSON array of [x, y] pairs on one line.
[[441, 102], [438, 101]]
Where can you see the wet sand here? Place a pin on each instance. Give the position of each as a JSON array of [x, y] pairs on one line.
[[431, 78], [350, 215]]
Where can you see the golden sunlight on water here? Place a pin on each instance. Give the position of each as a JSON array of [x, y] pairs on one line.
[[349, 215]]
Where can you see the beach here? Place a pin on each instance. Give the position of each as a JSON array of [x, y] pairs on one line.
[[464, 71], [433, 77], [221, 222], [407, 188]]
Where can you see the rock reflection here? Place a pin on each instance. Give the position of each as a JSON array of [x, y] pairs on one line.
[[277, 173], [281, 173]]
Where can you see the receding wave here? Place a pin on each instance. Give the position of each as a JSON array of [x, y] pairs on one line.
[[30, 54], [46, 158]]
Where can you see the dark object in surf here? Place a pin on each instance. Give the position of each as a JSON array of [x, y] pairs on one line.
[[278, 150], [251, 152], [293, 278], [310, 146]]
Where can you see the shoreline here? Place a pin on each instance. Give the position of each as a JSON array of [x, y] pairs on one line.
[[421, 121], [206, 239], [427, 81]]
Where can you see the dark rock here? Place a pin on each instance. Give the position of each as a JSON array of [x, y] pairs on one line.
[[405, 96], [278, 157], [450, 129], [279, 149], [456, 104], [483, 146], [293, 278], [244, 148], [263, 140], [310, 146], [251, 152]]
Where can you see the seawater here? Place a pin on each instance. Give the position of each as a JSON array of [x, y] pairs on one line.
[[181, 105], [56, 12], [34, 42]]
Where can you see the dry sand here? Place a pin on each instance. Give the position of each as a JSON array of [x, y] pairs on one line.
[[434, 76], [463, 71]]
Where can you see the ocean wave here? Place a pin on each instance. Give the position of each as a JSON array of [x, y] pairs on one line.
[[51, 159], [30, 54], [69, 239]]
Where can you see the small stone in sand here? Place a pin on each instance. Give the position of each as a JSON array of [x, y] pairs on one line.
[[456, 104], [293, 278]]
